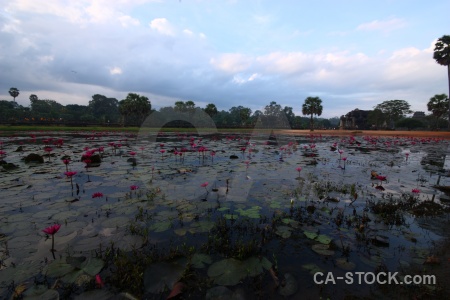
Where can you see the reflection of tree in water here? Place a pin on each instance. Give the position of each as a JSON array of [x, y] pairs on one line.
[[434, 157]]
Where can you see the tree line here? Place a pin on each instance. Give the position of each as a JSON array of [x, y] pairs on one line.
[[135, 108]]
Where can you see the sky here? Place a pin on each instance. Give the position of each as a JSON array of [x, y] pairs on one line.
[[350, 53]]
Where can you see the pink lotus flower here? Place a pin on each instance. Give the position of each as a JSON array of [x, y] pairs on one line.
[[204, 185], [99, 281], [48, 150], [66, 161], [416, 191], [344, 158], [132, 153], [97, 195], [134, 187], [52, 229], [70, 173], [381, 178]]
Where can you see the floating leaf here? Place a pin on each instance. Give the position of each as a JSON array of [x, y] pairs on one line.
[[291, 222], [310, 235], [313, 268], [92, 266], [219, 293], [255, 265], [58, 268], [323, 239], [200, 260], [284, 231], [227, 272], [161, 226], [322, 249], [180, 231], [290, 287], [47, 295], [163, 275], [96, 295], [344, 264]]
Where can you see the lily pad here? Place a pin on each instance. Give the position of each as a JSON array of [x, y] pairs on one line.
[[344, 264], [312, 268], [284, 231], [310, 235], [200, 260], [161, 226], [255, 265], [290, 287], [322, 249], [163, 275], [227, 272], [323, 239]]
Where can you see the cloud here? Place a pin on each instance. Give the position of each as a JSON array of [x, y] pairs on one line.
[[231, 62], [39, 51], [384, 26], [162, 26], [127, 21], [115, 71]]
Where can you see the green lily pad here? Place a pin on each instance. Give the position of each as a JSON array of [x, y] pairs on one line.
[[227, 272], [291, 222], [163, 275], [322, 249], [180, 231], [96, 295], [92, 266], [230, 216], [275, 205], [284, 231], [254, 265], [46, 295], [161, 226], [290, 287], [310, 235], [200, 260], [312, 268], [323, 239], [201, 227], [58, 268], [344, 264]]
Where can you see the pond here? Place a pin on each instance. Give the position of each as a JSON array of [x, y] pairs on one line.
[[158, 215]]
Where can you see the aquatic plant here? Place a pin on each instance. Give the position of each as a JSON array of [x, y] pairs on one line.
[[52, 230]]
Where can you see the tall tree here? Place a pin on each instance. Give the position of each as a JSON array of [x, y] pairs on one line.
[[211, 109], [442, 56], [14, 92], [438, 105], [239, 115], [104, 109], [312, 106], [33, 97], [136, 106], [394, 110]]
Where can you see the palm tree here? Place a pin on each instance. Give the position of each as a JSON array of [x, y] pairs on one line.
[[438, 105], [312, 106], [14, 93], [442, 57]]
